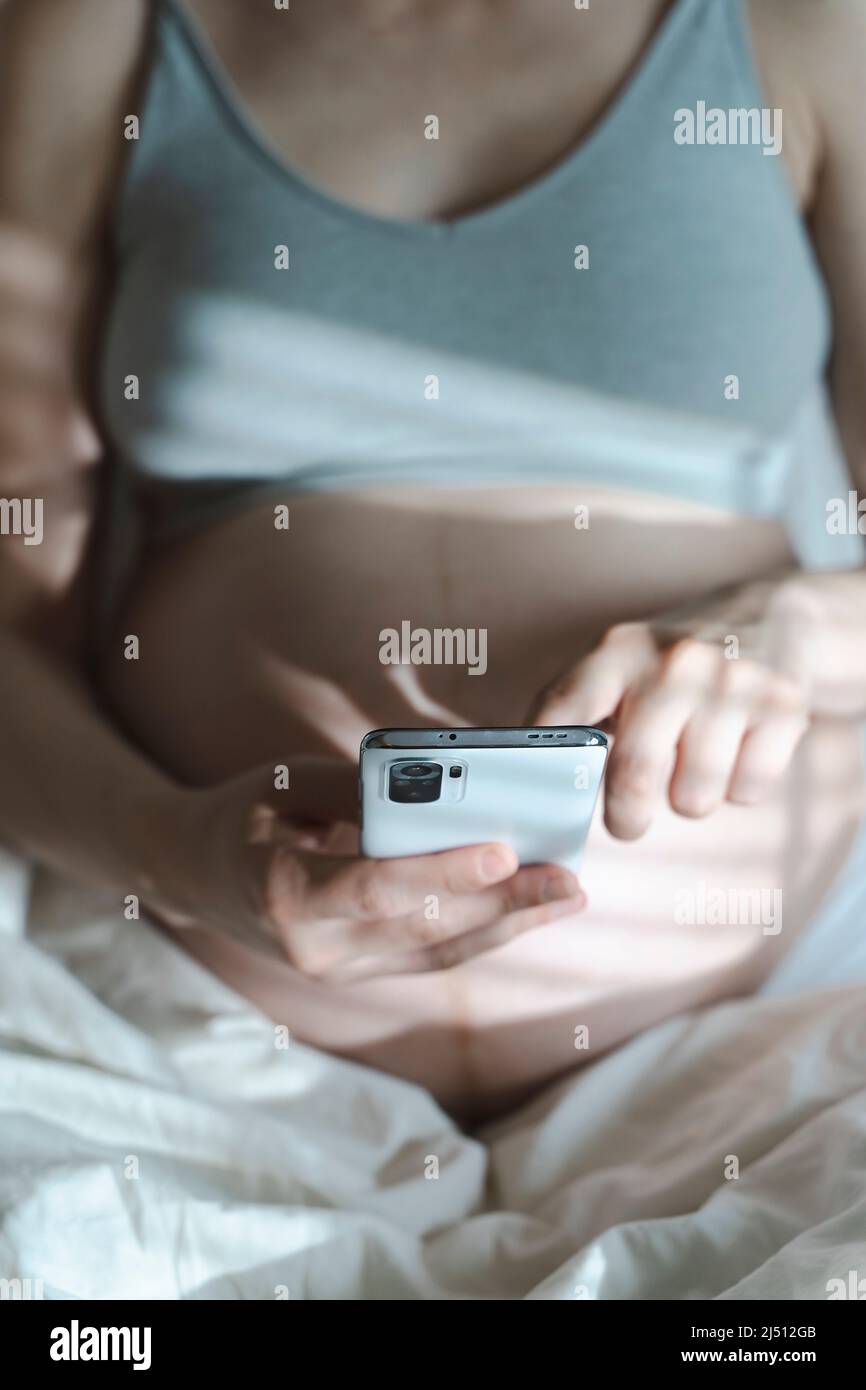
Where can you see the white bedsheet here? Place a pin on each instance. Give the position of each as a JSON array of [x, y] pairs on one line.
[[156, 1143]]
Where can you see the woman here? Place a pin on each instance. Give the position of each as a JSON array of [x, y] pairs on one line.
[[383, 311]]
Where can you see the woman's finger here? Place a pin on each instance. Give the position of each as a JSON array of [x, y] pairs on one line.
[[442, 918], [765, 753], [651, 721], [706, 755], [591, 690], [586, 694], [456, 948], [710, 742], [374, 889]]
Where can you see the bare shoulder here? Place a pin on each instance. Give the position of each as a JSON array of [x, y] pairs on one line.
[[812, 58], [795, 21], [822, 41], [96, 29], [67, 69]]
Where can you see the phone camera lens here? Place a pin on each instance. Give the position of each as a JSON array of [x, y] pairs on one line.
[[413, 783]]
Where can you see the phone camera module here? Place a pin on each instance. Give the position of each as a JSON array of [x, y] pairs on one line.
[[415, 783]]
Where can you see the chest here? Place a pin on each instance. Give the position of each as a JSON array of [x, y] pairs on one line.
[[460, 105], [440, 114], [647, 273]]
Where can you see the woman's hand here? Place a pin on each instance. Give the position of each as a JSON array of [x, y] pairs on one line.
[[710, 702], [270, 869]]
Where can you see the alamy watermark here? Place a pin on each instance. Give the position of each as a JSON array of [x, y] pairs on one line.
[[846, 516], [438, 646], [22, 516], [852, 1287], [77, 1343], [703, 906], [21, 1290], [736, 125]]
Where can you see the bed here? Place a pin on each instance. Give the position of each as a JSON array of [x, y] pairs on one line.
[[159, 1139]]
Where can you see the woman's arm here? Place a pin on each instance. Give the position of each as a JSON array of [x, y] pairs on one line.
[[73, 792], [834, 65], [697, 716]]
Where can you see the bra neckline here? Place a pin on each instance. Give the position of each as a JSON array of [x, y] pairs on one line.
[[251, 134]]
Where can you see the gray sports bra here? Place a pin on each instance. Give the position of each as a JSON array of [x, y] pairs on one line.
[[648, 314]]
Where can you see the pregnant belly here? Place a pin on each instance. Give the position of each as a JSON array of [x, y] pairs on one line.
[[258, 642]]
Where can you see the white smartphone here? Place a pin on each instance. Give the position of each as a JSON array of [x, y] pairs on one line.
[[432, 789]]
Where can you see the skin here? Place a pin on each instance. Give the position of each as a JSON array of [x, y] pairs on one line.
[[696, 736]]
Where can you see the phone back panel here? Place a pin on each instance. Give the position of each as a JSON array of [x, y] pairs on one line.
[[540, 800]]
